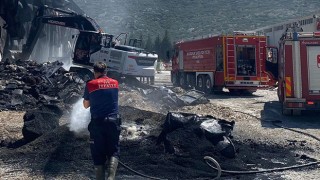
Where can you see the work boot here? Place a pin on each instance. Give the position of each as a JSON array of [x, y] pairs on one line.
[[112, 168], [100, 172]]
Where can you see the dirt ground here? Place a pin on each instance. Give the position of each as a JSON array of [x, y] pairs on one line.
[[260, 145]]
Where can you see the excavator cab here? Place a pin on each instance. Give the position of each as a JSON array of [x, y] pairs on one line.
[[88, 43], [135, 43], [272, 61]]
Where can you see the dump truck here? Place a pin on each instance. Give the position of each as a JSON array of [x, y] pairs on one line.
[[236, 62]]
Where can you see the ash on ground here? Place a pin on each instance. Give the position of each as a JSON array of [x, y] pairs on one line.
[[31, 97]]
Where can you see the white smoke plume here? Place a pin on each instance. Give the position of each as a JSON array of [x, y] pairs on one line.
[[80, 118]]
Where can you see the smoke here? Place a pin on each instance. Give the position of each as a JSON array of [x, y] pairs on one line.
[[80, 118]]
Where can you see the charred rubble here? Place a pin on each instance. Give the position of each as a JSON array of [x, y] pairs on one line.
[[45, 90], [42, 90], [216, 131], [27, 85]]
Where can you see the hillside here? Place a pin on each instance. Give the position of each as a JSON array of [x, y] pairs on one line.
[[192, 18]]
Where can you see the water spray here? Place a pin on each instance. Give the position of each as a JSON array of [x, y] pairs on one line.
[[80, 118]]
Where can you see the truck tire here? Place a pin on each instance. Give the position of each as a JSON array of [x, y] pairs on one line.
[[296, 112], [182, 80], [200, 82], [233, 91], [218, 90], [207, 84], [152, 80], [174, 79], [280, 95], [286, 112], [192, 81]]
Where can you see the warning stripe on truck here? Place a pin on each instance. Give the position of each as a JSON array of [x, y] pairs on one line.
[[288, 87]]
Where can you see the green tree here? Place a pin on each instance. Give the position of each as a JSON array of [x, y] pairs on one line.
[[149, 46], [128, 37], [157, 45], [142, 41], [166, 47]]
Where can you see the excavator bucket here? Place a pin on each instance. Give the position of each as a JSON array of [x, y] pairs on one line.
[[84, 74]]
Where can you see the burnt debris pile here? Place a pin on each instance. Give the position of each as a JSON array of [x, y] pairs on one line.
[[27, 85], [41, 120], [187, 131]]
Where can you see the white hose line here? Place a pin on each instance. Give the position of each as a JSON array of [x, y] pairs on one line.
[[206, 158], [220, 171], [215, 162]]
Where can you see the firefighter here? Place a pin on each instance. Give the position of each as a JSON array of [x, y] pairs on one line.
[[101, 95]]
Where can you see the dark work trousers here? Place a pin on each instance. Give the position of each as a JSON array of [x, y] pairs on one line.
[[104, 139]]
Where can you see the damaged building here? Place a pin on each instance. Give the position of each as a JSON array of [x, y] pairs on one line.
[[18, 37]]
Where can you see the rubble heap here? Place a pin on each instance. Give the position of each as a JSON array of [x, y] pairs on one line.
[[45, 90], [27, 85]]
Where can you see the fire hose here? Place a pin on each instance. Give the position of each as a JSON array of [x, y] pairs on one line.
[[274, 122]]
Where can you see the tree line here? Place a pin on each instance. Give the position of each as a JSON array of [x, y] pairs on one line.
[[161, 46]]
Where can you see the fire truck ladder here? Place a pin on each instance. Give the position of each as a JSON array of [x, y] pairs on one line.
[[231, 65], [261, 46]]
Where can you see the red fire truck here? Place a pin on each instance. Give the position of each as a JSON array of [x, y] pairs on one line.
[[299, 72], [236, 62]]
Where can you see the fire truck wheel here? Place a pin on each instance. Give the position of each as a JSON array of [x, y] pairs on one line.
[[191, 81], [246, 92], [286, 112], [218, 90], [182, 80], [280, 96], [200, 82], [174, 79], [208, 84], [296, 112], [233, 91], [152, 80]]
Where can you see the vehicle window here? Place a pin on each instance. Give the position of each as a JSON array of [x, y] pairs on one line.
[[95, 43], [219, 58], [246, 61]]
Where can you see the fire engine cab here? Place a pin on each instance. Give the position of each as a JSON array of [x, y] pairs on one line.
[[236, 62], [299, 72]]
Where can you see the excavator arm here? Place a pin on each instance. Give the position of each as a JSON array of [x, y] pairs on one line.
[[56, 17], [71, 20]]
